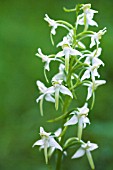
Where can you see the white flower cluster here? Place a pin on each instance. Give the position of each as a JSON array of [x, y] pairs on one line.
[[78, 66]]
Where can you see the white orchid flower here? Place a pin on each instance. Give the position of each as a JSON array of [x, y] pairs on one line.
[[86, 148], [67, 52], [93, 59], [79, 117], [92, 86], [45, 59], [48, 97], [92, 72], [65, 41], [58, 88], [87, 17], [46, 141], [54, 24], [95, 38]]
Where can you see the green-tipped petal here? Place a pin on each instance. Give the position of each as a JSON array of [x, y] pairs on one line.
[[80, 127], [90, 159], [67, 62], [57, 98], [41, 107], [45, 154]]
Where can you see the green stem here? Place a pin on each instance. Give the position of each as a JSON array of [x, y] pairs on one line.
[[65, 23], [64, 110]]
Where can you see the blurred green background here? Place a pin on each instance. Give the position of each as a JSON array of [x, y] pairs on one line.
[[22, 31]]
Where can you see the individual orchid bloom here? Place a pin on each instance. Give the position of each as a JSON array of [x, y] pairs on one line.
[[93, 59], [67, 52], [61, 74], [65, 41], [79, 117], [92, 72], [45, 59], [86, 148], [68, 39], [87, 17], [92, 86], [48, 97], [95, 38], [46, 141], [58, 88], [54, 24]]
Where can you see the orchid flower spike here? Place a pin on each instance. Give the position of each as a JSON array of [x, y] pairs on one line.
[[47, 141]]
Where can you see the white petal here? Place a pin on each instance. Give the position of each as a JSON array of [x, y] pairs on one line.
[[53, 143], [79, 153], [90, 92], [92, 23], [65, 90], [47, 65], [86, 120], [84, 109], [72, 121], [58, 132], [92, 42], [39, 98], [60, 54], [87, 61], [39, 142], [93, 146], [49, 98], [97, 62], [53, 30], [95, 73], [99, 82], [97, 53], [40, 51], [75, 52], [43, 133], [50, 90], [86, 75], [59, 76], [41, 86]]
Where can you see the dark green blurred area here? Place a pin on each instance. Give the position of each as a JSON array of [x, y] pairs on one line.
[[22, 31]]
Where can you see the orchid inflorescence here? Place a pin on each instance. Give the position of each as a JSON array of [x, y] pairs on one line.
[[78, 66]]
